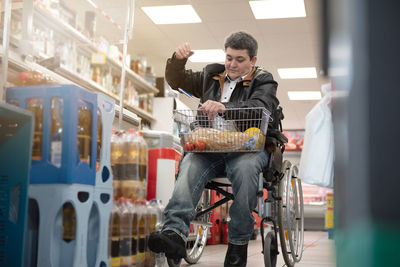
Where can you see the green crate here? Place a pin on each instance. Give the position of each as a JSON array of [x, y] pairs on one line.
[[16, 133]]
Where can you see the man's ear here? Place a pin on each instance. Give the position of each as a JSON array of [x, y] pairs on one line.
[[253, 61]]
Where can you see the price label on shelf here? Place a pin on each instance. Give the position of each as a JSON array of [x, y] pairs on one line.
[[98, 59]]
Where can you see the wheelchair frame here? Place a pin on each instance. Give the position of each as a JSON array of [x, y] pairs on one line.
[[282, 209]]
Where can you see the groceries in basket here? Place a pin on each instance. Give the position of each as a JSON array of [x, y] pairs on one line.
[[235, 130], [209, 139]]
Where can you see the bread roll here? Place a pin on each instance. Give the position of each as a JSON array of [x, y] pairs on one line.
[[219, 140]]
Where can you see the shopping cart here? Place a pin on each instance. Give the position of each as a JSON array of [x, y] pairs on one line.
[[244, 130]]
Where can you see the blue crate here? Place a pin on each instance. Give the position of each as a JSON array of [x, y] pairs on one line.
[[71, 169], [44, 245], [16, 131], [106, 107]]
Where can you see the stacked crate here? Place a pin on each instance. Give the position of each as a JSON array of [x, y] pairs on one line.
[[103, 190], [71, 184], [16, 128]]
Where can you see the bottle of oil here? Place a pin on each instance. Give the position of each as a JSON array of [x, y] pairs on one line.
[[99, 136], [151, 218], [97, 76], [69, 222], [142, 166], [84, 131], [125, 234], [116, 160], [159, 209], [36, 106], [115, 233], [56, 131], [131, 186], [142, 233], [135, 231]]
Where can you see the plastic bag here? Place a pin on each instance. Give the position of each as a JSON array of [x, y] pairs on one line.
[[317, 157]]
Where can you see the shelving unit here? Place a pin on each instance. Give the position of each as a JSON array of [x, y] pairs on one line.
[[23, 57]]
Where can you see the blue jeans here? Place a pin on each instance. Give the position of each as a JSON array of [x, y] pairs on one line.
[[195, 169]]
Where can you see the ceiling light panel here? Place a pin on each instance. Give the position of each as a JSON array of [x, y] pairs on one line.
[[178, 14], [304, 95], [276, 9], [297, 73], [208, 55]]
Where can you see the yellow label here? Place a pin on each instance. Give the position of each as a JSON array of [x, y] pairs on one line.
[[253, 131], [141, 256], [256, 134], [98, 58], [329, 200], [114, 262], [329, 219]]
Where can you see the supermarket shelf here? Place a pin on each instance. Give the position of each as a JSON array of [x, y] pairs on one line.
[[65, 76], [91, 85], [128, 116], [85, 43]]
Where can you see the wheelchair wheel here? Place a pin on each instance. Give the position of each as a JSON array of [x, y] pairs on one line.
[[291, 215], [270, 250], [174, 262], [197, 238]]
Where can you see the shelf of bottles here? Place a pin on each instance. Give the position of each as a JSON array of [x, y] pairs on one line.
[[133, 218], [48, 34]]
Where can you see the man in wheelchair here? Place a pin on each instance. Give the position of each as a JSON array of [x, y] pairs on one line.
[[236, 84]]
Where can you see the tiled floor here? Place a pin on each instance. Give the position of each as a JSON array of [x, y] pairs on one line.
[[318, 252]]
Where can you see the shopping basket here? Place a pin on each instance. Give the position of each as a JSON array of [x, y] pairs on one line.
[[235, 130]]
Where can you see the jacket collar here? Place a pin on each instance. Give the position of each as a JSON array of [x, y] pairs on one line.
[[246, 81]]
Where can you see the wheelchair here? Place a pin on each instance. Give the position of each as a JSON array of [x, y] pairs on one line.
[[282, 207]]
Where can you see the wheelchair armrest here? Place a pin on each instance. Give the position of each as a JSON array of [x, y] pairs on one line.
[[278, 135]]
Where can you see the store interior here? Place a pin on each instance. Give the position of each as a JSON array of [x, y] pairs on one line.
[[117, 50]]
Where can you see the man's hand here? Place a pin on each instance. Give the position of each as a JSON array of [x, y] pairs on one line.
[[183, 51], [211, 108]]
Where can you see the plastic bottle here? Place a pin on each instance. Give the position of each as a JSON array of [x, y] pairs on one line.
[[69, 222], [116, 161], [135, 231], [56, 131], [36, 106], [151, 219], [159, 209], [142, 233], [97, 76], [84, 131], [27, 78], [142, 166], [125, 234], [131, 185], [114, 240]]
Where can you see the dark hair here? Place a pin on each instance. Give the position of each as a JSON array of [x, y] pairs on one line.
[[242, 40]]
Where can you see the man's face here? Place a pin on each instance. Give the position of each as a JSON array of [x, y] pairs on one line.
[[238, 62]]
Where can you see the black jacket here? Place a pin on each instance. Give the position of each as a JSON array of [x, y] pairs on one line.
[[258, 89]]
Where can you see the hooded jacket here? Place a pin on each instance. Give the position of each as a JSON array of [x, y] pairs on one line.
[[257, 89]]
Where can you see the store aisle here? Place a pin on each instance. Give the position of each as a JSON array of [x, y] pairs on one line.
[[318, 252]]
